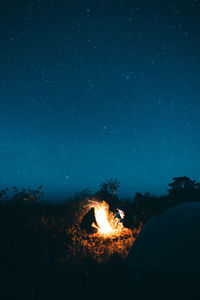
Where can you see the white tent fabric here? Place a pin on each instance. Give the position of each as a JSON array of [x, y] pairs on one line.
[[169, 242]]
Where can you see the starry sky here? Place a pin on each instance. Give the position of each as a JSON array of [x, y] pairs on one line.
[[92, 90]]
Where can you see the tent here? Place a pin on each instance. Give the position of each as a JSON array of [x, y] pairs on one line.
[[164, 261], [169, 241]]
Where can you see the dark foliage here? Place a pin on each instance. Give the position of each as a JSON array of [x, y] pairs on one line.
[[38, 238], [144, 206]]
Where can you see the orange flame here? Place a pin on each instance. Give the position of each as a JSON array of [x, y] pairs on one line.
[[107, 225]]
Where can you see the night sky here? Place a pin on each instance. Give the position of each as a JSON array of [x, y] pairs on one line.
[[93, 90]]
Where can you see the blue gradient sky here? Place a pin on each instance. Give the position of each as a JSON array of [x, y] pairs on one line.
[[92, 90]]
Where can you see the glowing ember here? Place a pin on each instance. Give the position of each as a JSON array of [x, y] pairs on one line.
[[105, 219]]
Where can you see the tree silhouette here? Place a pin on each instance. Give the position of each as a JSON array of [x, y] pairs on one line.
[[110, 186], [183, 189], [107, 192], [180, 184], [26, 195]]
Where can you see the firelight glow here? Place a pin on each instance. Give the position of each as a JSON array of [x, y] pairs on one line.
[[105, 219]]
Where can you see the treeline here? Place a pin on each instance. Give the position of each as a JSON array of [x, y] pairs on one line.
[[144, 206], [137, 211]]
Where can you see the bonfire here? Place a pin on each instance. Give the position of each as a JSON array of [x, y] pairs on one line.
[[108, 223], [110, 237]]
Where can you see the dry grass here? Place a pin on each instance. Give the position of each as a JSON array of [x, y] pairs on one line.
[[98, 248]]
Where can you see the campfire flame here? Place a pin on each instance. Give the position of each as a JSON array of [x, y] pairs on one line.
[[101, 213], [105, 219]]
